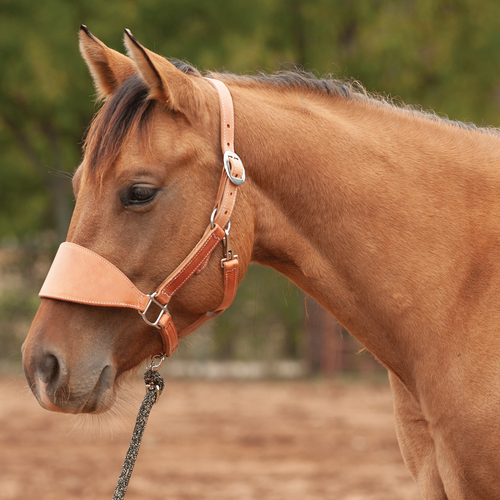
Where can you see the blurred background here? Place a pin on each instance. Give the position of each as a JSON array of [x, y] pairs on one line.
[[441, 54]]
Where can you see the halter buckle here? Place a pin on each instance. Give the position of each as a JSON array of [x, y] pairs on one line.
[[164, 310], [227, 165]]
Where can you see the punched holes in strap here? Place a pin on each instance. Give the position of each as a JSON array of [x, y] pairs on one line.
[[226, 115]]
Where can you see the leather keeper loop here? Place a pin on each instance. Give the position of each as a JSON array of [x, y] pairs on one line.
[[169, 335]]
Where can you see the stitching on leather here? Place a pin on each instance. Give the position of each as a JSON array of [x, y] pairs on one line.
[[166, 330], [189, 263], [226, 284], [203, 265], [173, 330], [112, 267], [223, 116], [232, 116], [221, 89], [85, 301], [169, 295]]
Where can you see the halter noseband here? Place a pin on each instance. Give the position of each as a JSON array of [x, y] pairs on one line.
[[80, 275]]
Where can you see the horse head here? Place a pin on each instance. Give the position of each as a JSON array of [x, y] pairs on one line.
[[145, 193]]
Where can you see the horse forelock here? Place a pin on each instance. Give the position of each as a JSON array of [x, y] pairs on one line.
[[128, 109]]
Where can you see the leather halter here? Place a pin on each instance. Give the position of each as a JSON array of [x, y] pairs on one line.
[[80, 275]]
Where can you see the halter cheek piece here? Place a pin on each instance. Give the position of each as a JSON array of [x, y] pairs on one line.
[[80, 275]]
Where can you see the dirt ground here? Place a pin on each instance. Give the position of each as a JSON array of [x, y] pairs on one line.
[[299, 440]]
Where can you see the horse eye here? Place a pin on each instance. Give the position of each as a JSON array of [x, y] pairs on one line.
[[139, 195]]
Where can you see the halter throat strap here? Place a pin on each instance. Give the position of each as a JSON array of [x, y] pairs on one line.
[[80, 275]]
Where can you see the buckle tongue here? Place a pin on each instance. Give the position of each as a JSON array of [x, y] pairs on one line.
[[164, 310]]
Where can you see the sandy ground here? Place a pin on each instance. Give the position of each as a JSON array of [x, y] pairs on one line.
[[300, 440]]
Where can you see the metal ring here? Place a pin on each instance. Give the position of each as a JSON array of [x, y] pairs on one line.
[[212, 223], [212, 217], [227, 165]]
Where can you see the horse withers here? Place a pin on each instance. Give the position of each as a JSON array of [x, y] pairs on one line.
[[387, 216]]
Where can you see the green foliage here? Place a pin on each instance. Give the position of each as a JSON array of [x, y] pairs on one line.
[[19, 186]]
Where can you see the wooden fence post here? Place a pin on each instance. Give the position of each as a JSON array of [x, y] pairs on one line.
[[330, 349], [324, 341]]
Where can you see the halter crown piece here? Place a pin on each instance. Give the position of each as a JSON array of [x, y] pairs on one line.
[[82, 276]]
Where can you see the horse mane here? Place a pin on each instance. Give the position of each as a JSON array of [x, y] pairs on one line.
[[347, 89], [130, 108]]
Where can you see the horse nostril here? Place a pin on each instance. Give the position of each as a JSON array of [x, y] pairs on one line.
[[49, 368]]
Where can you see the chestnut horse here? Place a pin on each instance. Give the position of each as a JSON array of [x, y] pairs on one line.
[[389, 217]]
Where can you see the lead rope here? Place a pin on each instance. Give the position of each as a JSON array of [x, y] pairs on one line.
[[154, 387]]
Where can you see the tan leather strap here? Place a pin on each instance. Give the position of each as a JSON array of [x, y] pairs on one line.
[[226, 115], [230, 283], [231, 280], [169, 335], [226, 195], [80, 275], [197, 258]]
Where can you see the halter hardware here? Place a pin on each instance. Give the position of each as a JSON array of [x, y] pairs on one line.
[[227, 249], [228, 155], [156, 363], [163, 307]]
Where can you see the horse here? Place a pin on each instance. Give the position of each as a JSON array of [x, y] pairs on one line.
[[386, 214]]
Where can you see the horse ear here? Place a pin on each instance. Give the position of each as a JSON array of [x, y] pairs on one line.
[[108, 67], [166, 83]]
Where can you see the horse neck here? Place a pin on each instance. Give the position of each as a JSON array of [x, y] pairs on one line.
[[369, 209]]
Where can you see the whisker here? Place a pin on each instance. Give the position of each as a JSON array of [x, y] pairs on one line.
[[118, 418]]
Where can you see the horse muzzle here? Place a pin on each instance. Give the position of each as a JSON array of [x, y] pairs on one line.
[[88, 390], [68, 376]]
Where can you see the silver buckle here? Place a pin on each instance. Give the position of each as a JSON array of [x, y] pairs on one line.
[[163, 311], [227, 166]]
